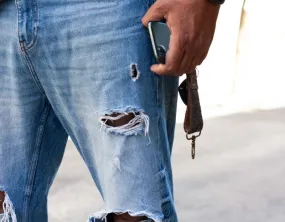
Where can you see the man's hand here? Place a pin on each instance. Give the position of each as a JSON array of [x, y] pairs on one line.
[[192, 24]]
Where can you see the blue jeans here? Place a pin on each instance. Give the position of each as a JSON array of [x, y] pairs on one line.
[[73, 68]]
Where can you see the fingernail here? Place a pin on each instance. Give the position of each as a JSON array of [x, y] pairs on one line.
[[153, 67]]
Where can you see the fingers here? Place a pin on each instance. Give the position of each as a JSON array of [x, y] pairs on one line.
[[188, 64], [189, 61], [196, 61], [156, 12], [174, 57], [203, 57], [194, 55], [192, 26], [178, 43]]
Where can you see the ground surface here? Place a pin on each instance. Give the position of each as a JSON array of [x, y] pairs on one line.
[[239, 174]]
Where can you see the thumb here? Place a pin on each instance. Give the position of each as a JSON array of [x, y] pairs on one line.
[[156, 12], [159, 69]]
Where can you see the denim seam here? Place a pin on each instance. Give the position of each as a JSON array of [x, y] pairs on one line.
[[34, 163], [31, 68], [159, 161]]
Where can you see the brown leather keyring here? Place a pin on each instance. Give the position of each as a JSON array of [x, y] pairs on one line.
[[193, 122]]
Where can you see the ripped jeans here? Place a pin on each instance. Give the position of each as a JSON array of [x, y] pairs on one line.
[[72, 68]]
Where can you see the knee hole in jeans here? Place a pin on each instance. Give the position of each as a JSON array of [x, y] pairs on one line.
[[6, 208], [122, 120], [2, 197], [125, 123], [125, 217]]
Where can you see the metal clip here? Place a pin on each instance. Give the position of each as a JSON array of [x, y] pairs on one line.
[[193, 150], [193, 144]]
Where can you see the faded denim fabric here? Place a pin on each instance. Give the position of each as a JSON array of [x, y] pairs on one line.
[[66, 66]]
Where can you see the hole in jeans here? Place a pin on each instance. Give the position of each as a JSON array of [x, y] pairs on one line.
[[134, 72], [117, 119], [125, 217], [122, 216], [2, 197], [7, 212], [125, 123]]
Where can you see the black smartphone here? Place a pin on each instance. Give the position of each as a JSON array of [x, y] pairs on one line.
[[160, 37]]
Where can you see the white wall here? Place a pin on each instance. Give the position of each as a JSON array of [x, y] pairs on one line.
[[260, 80], [254, 77], [216, 74]]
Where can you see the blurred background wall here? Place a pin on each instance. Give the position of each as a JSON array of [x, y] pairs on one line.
[[244, 70]]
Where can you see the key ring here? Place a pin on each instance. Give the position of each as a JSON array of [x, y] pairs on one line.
[[190, 136]]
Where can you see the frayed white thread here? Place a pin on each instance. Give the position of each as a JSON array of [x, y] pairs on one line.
[[9, 211], [131, 128], [103, 123]]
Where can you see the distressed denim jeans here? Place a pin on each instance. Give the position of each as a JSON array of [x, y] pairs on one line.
[[70, 68]]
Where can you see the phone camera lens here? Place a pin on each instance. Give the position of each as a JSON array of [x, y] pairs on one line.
[[161, 51]]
